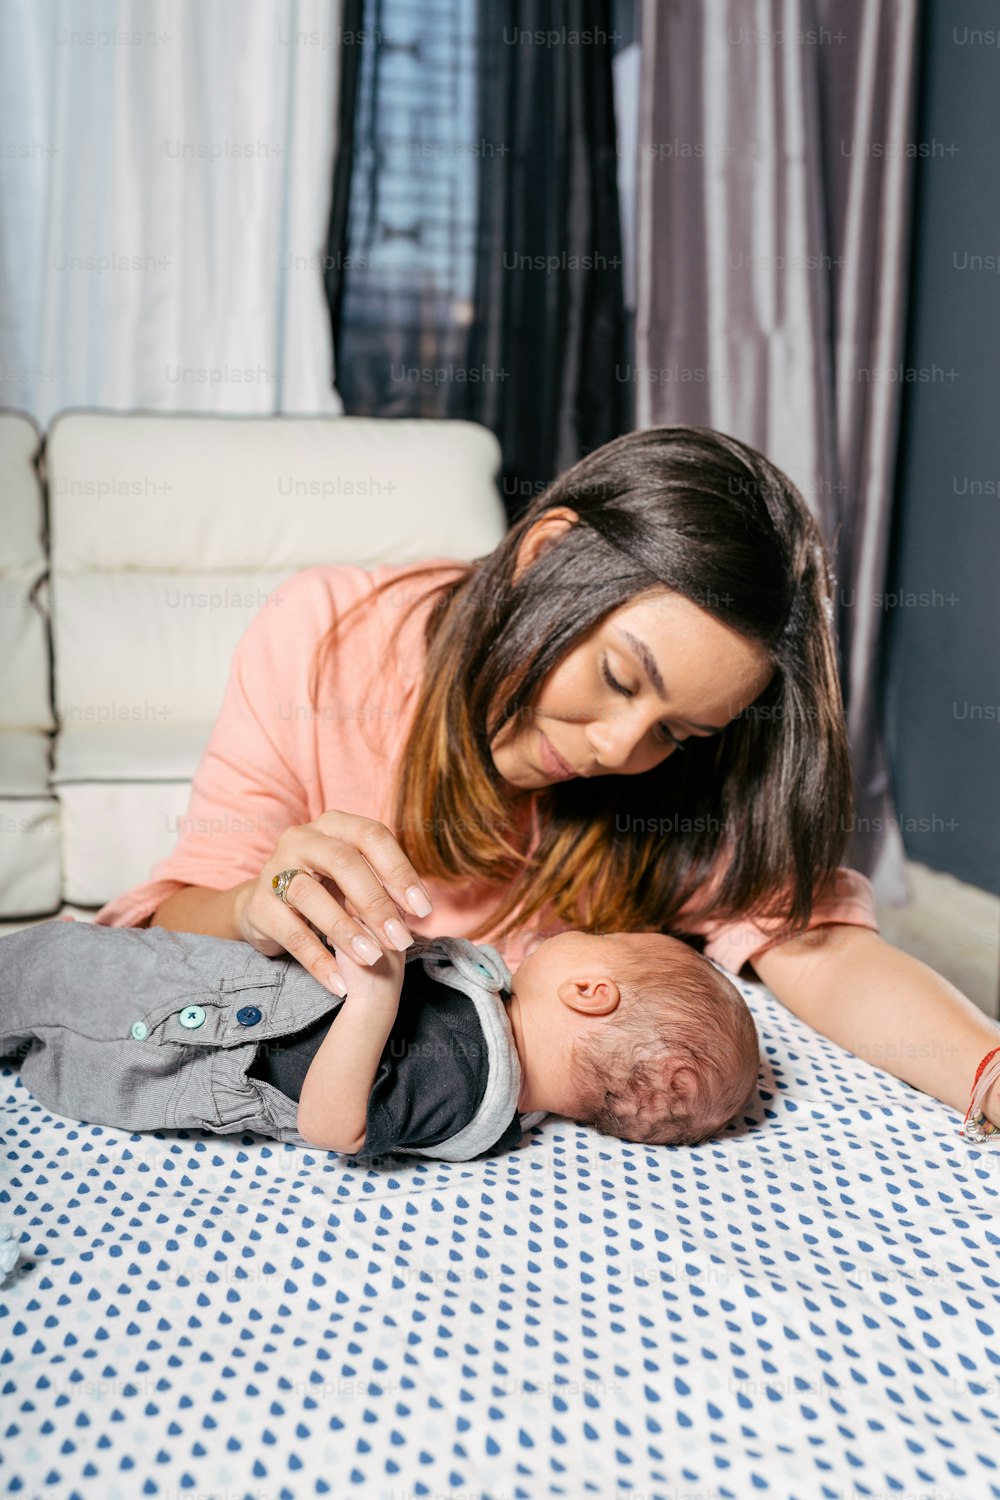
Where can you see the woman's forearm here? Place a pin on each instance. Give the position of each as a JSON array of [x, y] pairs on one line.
[[197, 908], [886, 1007]]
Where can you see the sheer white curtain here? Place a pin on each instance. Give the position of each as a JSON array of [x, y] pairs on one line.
[[165, 174]]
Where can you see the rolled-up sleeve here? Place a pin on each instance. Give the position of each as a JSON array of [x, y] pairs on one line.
[[246, 789], [850, 899]]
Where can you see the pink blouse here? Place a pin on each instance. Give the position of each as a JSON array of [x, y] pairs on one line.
[[272, 760]]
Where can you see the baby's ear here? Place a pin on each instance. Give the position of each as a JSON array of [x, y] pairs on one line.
[[599, 999]]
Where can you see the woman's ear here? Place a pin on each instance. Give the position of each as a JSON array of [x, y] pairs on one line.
[[547, 529]]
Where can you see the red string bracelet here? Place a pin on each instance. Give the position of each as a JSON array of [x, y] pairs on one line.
[[975, 1126]]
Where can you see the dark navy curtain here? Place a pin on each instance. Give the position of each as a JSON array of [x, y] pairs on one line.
[[474, 260]]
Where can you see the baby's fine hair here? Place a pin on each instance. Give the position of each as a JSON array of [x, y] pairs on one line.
[[679, 1059]]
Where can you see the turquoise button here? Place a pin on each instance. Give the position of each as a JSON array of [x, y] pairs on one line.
[[192, 1016], [140, 1031]]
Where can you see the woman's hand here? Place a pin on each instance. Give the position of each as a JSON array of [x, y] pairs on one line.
[[355, 883]]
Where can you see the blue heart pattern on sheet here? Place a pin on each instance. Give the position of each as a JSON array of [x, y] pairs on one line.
[[807, 1307]]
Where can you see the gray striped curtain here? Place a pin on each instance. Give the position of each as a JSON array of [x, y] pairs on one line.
[[773, 190]]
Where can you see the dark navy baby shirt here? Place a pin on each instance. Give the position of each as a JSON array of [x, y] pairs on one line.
[[449, 1076]]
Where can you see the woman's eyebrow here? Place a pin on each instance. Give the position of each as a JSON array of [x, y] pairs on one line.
[[648, 661]]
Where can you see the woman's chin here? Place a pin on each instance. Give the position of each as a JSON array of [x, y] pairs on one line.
[[523, 780], [519, 774]]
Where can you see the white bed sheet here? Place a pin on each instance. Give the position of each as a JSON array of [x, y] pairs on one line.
[[806, 1307]]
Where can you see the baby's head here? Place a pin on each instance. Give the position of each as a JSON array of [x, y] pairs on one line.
[[633, 1033]]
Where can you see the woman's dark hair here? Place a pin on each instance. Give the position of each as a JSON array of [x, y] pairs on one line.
[[749, 823]]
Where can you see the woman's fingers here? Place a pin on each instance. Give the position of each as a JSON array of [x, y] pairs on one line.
[[337, 896], [309, 897], [306, 948], [354, 871], [380, 848]]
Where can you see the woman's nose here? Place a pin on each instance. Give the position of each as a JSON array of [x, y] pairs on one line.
[[615, 744]]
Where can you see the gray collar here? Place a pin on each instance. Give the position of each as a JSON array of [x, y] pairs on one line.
[[479, 971]]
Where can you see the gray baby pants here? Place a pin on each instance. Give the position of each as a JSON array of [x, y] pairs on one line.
[[146, 1029]]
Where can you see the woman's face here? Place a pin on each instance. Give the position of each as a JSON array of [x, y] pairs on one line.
[[649, 676]]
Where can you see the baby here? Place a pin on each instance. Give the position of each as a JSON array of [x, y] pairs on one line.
[[438, 1051]]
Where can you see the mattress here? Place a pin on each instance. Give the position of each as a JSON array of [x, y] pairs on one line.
[[807, 1306]]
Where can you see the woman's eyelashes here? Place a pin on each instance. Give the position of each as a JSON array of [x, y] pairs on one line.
[[619, 687]]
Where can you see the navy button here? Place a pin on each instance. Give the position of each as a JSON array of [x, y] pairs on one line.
[[248, 1015]]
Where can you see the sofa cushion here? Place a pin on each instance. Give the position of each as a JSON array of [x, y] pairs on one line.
[[114, 832], [29, 847], [127, 753], [169, 533], [30, 882], [148, 648], [24, 644], [24, 764], [133, 782], [243, 495]]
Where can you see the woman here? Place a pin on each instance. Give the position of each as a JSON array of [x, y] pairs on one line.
[[627, 716]]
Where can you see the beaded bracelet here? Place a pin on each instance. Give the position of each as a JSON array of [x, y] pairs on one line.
[[975, 1126]]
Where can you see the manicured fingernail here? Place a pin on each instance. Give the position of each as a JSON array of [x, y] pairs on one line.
[[398, 934], [418, 900], [365, 949], [337, 985]]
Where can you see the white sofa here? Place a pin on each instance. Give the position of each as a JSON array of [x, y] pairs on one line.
[[29, 814], [134, 550]]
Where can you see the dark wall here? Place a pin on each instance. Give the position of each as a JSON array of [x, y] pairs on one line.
[[943, 695]]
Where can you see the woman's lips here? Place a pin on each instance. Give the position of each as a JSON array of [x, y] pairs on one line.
[[552, 763]]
